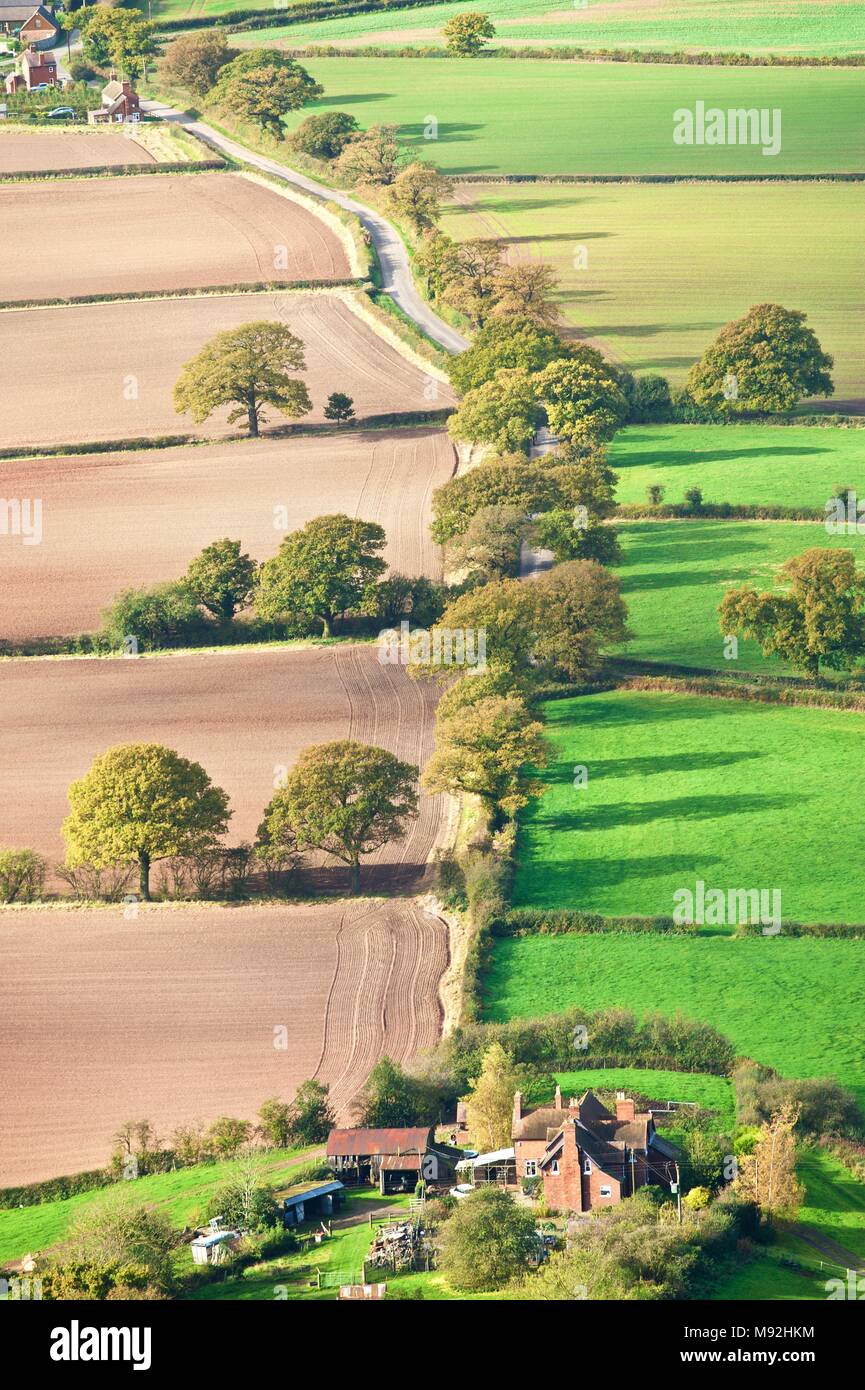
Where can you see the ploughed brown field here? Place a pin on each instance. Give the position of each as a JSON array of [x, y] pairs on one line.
[[36, 151], [108, 370], [189, 1013], [244, 715], [181, 231], [117, 521]]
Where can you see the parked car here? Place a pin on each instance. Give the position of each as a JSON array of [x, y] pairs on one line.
[[62, 111]]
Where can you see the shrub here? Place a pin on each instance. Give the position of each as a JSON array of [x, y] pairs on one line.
[[89, 884], [22, 875], [166, 615], [324, 135]]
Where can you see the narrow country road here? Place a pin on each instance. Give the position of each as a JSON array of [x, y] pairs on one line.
[[393, 257]]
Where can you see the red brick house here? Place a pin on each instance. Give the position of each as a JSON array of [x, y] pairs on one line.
[[36, 68], [586, 1156], [119, 103], [32, 24]]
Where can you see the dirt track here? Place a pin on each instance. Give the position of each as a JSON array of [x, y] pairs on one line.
[[25, 151], [244, 715], [172, 1016], [109, 369], [115, 521], [181, 231]]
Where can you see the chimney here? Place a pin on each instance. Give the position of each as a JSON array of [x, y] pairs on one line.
[[625, 1109], [574, 1107], [558, 1100], [518, 1106]]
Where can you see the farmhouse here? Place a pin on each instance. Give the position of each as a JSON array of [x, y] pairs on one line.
[[395, 1159], [37, 70], [33, 24], [586, 1156], [119, 103]]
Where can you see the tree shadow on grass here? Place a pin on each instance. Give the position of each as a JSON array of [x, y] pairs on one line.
[[707, 807], [567, 885], [674, 458], [648, 766]]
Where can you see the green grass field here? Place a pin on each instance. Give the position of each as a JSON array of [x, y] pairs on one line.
[[709, 1092], [723, 25], [652, 272], [793, 1004], [181, 1195], [675, 573], [594, 118], [785, 466], [680, 788]]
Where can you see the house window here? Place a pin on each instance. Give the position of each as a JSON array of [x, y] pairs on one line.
[[606, 1191], [554, 1167], [587, 1166], [531, 1168]]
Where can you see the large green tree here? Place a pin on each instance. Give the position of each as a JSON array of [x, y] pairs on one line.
[[374, 156], [504, 412], [487, 749], [416, 194], [222, 578], [195, 60], [487, 1242], [466, 33], [582, 397], [504, 611], [819, 618], [247, 367], [311, 1116], [767, 360], [516, 341], [512, 481], [345, 798], [330, 566], [325, 134], [263, 85], [143, 802], [580, 613]]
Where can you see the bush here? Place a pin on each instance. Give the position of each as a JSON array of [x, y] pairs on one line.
[[651, 403], [529, 921], [22, 875], [166, 615], [324, 135], [90, 884]]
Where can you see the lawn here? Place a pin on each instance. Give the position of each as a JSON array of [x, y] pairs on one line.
[[683, 787], [674, 575], [652, 272], [292, 1277], [771, 465], [180, 1194], [790, 1003], [798, 26], [709, 1092], [834, 1206], [594, 118]]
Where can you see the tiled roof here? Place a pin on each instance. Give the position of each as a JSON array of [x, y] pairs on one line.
[[351, 1143]]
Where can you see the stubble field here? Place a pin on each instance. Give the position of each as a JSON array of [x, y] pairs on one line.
[[98, 511], [185, 1014], [181, 231]]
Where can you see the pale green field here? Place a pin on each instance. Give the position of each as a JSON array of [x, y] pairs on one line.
[[667, 265], [506, 116], [755, 26]]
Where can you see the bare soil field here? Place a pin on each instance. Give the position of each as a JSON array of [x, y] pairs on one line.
[[181, 231], [117, 521], [112, 367], [244, 715], [189, 1013], [51, 151]]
